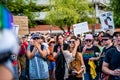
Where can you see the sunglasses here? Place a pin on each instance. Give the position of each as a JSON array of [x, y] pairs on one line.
[[71, 42], [52, 42], [35, 38], [105, 39], [88, 40]]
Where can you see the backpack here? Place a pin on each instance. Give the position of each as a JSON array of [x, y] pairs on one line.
[[60, 66]]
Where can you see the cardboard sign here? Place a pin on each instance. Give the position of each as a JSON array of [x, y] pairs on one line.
[[80, 28]]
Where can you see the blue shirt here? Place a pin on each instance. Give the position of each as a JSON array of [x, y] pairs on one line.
[[38, 67]]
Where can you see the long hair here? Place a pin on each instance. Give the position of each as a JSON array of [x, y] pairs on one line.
[[57, 38], [74, 37]]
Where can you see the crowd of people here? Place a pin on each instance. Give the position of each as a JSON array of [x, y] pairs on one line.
[[67, 57]]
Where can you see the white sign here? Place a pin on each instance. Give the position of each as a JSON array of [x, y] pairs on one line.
[[80, 28], [107, 22]]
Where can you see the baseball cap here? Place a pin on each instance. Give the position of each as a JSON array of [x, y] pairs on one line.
[[35, 35], [115, 33], [106, 35], [88, 36]]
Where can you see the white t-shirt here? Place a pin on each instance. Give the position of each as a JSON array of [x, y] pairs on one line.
[[68, 58]]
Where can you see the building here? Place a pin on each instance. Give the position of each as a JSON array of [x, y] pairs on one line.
[[98, 7], [47, 28]]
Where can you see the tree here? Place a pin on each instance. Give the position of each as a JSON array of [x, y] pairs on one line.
[[62, 17], [24, 8], [68, 12], [116, 11]]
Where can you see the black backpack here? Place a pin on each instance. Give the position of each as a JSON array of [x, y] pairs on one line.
[[60, 66]]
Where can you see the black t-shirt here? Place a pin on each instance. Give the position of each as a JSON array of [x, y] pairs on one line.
[[90, 52], [103, 55], [56, 47], [105, 50], [60, 62], [113, 58]]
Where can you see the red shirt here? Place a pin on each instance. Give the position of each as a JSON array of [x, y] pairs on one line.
[[22, 50], [26, 44]]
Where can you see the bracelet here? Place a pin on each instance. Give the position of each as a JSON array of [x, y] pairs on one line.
[[83, 66]]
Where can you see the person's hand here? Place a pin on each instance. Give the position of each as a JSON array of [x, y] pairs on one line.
[[84, 49], [36, 44], [58, 49], [19, 72], [117, 72], [92, 58], [61, 47], [75, 72]]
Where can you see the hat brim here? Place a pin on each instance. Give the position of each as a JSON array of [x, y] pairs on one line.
[[115, 33]]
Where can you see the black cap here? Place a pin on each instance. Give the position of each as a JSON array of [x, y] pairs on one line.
[[115, 33], [107, 35]]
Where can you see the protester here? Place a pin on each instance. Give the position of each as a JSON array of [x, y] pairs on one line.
[[25, 42], [38, 67], [22, 58], [100, 35], [76, 65], [51, 58], [58, 54], [111, 64], [90, 58], [107, 40]]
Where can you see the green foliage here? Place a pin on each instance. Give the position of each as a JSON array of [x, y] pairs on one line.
[[116, 10], [68, 12], [64, 14], [24, 8]]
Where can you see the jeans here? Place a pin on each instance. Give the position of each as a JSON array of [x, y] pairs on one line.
[[51, 65], [87, 76], [23, 75]]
